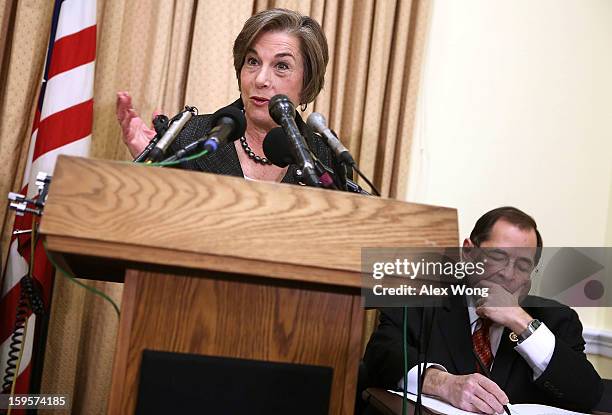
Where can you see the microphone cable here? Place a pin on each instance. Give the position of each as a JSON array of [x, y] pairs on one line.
[[179, 161], [30, 298], [405, 354], [74, 279], [424, 343], [363, 176], [353, 166]]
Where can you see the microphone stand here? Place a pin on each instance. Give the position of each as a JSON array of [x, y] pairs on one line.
[[351, 186], [340, 169], [325, 178], [307, 171]]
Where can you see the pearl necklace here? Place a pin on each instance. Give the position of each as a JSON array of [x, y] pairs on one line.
[[251, 153]]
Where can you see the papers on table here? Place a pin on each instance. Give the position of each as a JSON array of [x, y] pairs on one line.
[[436, 405]]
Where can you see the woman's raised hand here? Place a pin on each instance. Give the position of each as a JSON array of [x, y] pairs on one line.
[[135, 133]]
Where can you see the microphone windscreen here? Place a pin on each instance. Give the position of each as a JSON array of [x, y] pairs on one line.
[[237, 118], [280, 105], [276, 148]]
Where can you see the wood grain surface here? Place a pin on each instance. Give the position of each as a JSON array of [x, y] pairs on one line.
[[217, 316], [168, 216]]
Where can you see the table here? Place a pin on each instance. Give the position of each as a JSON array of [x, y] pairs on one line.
[[391, 404]]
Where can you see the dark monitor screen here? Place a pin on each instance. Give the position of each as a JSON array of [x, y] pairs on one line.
[[187, 383]]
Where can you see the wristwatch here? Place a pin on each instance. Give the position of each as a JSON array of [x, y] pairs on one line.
[[531, 327]]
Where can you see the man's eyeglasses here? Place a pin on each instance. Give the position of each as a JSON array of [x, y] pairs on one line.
[[499, 258]]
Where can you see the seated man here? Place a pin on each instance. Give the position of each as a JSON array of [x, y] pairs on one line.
[[544, 362]]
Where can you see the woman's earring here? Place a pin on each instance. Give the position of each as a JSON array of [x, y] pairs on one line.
[[303, 107]]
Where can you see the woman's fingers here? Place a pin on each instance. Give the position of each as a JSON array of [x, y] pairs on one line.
[[124, 103], [135, 133]]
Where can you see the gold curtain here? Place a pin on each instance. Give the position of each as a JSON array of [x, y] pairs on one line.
[[176, 52]]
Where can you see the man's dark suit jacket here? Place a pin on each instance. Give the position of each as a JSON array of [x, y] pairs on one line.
[[225, 159], [569, 381]]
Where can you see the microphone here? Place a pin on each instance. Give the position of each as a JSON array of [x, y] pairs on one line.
[[318, 123], [160, 123], [228, 123], [277, 150], [282, 112], [170, 135]]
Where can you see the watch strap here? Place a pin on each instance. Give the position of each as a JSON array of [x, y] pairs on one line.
[[531, 327]]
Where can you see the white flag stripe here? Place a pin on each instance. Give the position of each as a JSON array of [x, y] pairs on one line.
[[75, 16], [46, 162], [28, 167], [16, 267], [68, 89], [27, 350]]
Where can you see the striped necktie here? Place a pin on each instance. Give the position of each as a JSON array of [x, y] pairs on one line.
[[482, 343]]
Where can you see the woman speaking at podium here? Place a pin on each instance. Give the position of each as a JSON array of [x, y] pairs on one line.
[[278, 51]]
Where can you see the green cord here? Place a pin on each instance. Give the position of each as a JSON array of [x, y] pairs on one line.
[[87, 287], [179, 161], [405, 345], [72, 277]]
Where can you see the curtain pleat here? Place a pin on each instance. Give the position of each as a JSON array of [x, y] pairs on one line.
[[174, 53]]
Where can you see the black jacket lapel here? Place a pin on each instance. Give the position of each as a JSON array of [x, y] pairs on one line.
[[504, 360], [455, 328]]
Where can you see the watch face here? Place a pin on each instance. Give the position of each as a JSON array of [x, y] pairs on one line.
[[534, 325]]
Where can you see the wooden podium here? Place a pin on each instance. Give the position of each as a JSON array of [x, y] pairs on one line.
[[221, 266]]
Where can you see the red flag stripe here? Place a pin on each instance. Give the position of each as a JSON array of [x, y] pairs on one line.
[[64, 127], [8, 311], [43, 272], [72, 51], [36, 120], [22, 384]]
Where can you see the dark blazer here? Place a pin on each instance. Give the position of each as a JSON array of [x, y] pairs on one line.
[[569, 381], [225, 159]]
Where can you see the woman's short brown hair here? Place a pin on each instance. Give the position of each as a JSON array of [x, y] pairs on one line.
[[313, 45]]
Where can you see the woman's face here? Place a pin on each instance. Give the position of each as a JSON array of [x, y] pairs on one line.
[[273, 65]]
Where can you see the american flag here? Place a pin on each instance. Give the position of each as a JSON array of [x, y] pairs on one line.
[[62, 125]]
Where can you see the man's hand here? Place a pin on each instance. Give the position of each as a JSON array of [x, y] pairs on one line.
[[502, 307], [136, 134], [474, 393]]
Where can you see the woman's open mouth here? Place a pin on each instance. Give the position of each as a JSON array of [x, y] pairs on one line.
[[260, 101]]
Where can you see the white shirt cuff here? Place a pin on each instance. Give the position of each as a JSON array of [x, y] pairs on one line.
[[537, 349], [413, 376]]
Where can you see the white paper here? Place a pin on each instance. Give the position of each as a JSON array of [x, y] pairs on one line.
[[441, 407], [535, 409]]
